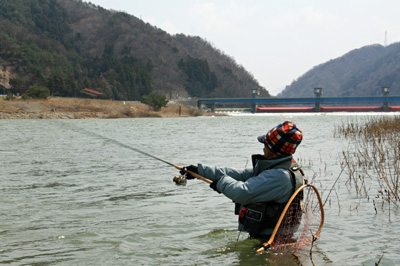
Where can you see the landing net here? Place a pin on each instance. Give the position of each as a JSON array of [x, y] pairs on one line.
[[303, 220]]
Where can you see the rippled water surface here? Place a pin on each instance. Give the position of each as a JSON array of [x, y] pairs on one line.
[[68, 197]]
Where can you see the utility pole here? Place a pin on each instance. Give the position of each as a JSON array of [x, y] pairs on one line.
[[385, 42]]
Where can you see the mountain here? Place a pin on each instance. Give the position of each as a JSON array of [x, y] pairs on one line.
[[69, 45], [361, 72]]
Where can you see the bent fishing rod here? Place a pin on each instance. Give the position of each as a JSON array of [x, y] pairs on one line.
[[179, 180]]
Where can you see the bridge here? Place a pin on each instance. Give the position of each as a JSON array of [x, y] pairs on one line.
[[312, 104]]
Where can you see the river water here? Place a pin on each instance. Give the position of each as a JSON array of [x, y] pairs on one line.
[[67, 197]]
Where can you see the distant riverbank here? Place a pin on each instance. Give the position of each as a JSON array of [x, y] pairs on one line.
[[77, 108]]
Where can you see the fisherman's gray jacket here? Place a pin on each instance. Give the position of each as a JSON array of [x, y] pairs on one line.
[[268, 180]]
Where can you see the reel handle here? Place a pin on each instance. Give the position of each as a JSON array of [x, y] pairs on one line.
[[195, 175]]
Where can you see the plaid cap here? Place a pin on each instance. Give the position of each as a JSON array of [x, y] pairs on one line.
[[282, 139]]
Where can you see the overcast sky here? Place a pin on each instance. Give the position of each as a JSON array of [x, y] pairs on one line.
[[275, 40]]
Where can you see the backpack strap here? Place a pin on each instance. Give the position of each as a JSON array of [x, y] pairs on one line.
[[297, 179]]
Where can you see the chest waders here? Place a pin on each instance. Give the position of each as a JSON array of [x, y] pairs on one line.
[[255, 217]]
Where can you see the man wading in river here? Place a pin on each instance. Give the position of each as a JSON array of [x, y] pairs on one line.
[[260, 193]]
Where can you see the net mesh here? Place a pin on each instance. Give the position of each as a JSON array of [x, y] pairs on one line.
[[302, 221]]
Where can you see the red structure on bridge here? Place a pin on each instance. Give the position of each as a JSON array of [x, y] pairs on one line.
[[326, 109]]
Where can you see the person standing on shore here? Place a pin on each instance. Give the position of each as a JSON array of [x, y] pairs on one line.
[[260, 193]]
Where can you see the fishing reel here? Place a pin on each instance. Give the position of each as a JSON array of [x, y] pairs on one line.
[[180, 180]]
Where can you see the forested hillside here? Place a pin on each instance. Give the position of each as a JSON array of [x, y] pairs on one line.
[[361, 72], [69, 45]]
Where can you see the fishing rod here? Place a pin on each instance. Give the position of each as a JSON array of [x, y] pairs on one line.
[[179, 180]]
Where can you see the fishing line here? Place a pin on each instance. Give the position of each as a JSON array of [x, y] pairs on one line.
[[108, 140], [181, 180]]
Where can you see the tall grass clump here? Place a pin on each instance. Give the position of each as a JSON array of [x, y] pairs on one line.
[[373, 157]]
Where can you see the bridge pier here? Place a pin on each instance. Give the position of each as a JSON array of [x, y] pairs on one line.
[[254, 94], [385, 92], [253, 108], [318, 93]]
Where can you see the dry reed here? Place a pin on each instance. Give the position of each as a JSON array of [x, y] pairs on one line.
[[374, 158]]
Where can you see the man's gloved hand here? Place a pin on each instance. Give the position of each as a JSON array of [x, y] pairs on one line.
[[213, 185], [191, 168]]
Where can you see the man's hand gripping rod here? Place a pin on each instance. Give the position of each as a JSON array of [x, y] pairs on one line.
[[181, 180]]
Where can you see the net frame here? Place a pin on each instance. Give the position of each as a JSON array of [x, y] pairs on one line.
[[301, 220]]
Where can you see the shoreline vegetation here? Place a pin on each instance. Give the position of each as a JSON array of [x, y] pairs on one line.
[[372, 160], [78, 108]]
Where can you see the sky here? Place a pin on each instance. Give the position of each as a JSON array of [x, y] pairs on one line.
[[277, 41]]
